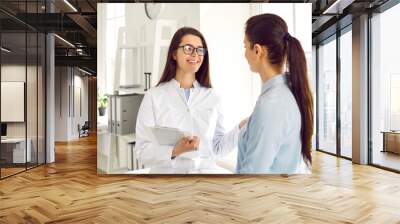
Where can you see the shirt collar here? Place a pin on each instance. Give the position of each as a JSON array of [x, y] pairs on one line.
[[175, 83], [276, 80]]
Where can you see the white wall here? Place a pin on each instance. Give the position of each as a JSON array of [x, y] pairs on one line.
[[68, 82], [230, 73], [61, 103], [81, 83]]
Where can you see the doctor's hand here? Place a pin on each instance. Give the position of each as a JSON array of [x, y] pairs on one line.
[[186, 144], [243, 122]]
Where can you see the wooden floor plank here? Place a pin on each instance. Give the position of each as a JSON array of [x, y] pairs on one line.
[[70, 191]]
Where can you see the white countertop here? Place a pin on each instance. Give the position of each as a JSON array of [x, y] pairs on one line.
[[185, 166]]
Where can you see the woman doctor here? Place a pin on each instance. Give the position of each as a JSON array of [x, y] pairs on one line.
[[183, 99], [277, 136]]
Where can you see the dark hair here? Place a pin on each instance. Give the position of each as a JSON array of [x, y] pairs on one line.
[[271, 31], [202, 75]]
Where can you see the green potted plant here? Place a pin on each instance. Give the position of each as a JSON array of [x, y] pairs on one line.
[[103, 102]]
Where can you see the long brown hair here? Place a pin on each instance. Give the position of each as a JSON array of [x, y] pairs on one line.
[[271, 31], [202, 75]]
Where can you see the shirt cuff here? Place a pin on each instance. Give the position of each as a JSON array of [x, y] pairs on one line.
[[236, 132], [165, 152]]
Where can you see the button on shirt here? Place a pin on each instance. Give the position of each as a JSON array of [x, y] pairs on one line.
[[200, 114], [270, 142]]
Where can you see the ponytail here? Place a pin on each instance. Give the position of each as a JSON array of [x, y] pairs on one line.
[[300, 88]]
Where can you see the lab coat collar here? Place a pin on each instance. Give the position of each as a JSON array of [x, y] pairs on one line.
[[175, 83], [278, 79]]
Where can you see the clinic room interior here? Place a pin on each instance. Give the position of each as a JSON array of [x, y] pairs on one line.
[[75, 91]]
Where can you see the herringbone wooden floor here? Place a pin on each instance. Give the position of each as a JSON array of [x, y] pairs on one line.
[[70, 191]]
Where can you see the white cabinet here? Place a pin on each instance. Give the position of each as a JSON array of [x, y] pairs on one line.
[[13, 150], [123, 113]]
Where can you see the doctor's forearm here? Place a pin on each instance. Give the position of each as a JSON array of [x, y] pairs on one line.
[[225, 144]]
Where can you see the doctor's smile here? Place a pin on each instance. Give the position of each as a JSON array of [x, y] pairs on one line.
[[193, 62]]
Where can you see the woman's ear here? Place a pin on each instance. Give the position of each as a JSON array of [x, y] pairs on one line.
[[261, 51], [258, 49]]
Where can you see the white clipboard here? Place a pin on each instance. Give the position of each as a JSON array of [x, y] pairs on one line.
[[171, 136], [166, 136]]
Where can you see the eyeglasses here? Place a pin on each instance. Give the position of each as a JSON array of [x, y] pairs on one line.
[[189, 49]]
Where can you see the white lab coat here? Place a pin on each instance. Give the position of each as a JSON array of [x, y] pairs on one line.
[[165, 105]]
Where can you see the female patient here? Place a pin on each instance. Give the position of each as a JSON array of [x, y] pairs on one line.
[[277, 137], [183, 99]]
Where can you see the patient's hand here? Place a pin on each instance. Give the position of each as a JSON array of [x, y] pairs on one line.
[[186, 144]]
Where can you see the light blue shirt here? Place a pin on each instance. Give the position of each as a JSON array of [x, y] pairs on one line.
[[270, 142], [187, 94]]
